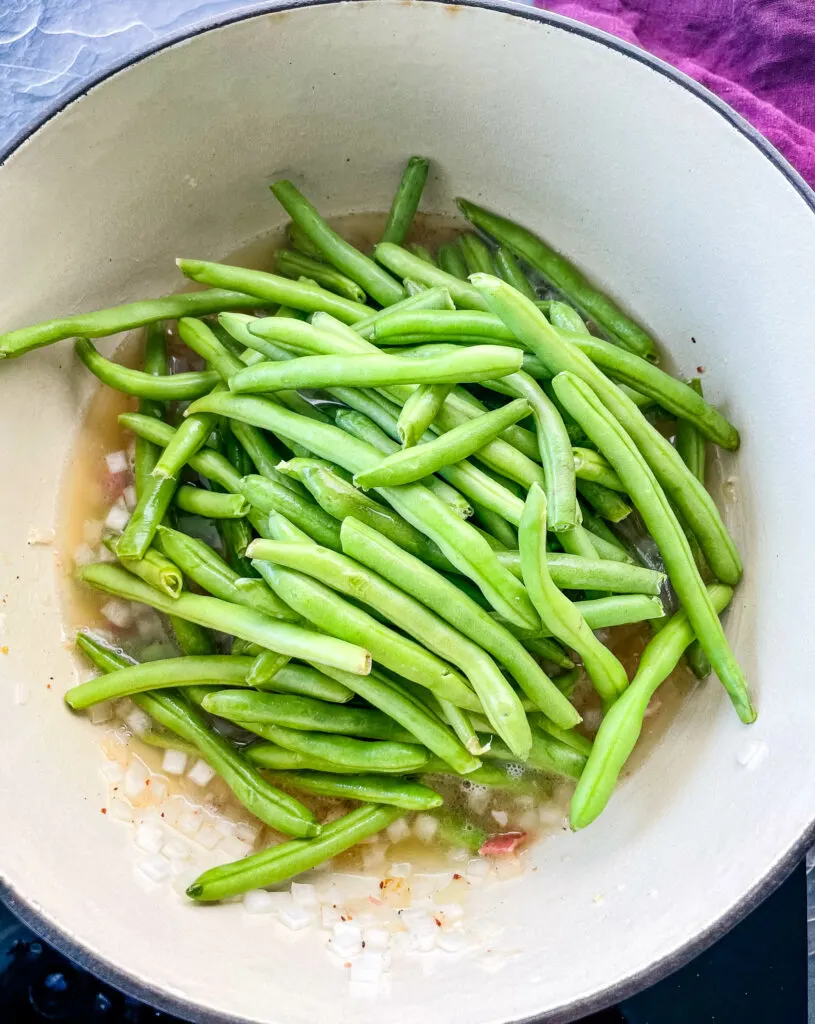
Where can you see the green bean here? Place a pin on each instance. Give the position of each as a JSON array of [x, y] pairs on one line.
[[620, 729], [451, 447], [170, 388], [661, 522], [205, 567], [225, 670], [296, 712], [459, 542], [605, 502], [496, 529], [458, 831], [571, 572], [190, 436], [154, 568], [590, 465], [481, 362], [547, 755], [557, 612], [689, 495], [272, 289], [325, 609], [299, 240], [565, 317], [155, 363], [340, 499], [509, 271], [274, 758], [568, 680], [378, 789], [565, 276], [269, 496], [430, 298], [435, 592], [424, 254], [609, 610], [237, 326], [405, 264], [233, 619], [306, 681], [190, 638], [278, 863], [600, 533], [168, 741], [451, 261], [406, 200], [570, 737], [442, 323], [339, 253], [276, 809], [122, 318], [339, 572], [296, 265], [476, 255], [206, 461], [210, 504], [395, 700], [265, 667], [420, 410], [262, 454], [150, 509], [304, 337]]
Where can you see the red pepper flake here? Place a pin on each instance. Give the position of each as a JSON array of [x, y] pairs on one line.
[[147, 782], [342, 918], [382, 884], [456, 876], [47, 685], [162, 814], [438, 922], [4, 649], [346, 964], [700, 369], [104, 810]]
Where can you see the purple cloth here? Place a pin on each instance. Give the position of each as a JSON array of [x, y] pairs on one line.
[[758, 55]]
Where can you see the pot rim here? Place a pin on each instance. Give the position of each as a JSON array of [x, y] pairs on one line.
[[36, 919]]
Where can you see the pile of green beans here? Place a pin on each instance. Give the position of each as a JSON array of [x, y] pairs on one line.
[[408, 488]]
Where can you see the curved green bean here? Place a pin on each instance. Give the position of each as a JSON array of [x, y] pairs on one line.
[[572, 572], [265, 667], [151, 507], [278, 863], [406, 200], [661, 522], [477, 256], [547, 755], [431, 298], [606, 503], [565, 276], [509, 271], [620, 729], [420, 410], [378, 789], [451, 261], [334, 249], [176, 387], [306, 681], [404, 264], [191, 435], [557, 612], [237, 620], [154, 568], [206, 461], [269, 496], [296, 265], [210, 504]]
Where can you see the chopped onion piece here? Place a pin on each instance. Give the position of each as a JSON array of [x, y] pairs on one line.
[[201, 773], [190, 822], [135, 779], [117, 518], [157, 868], [118, 613], [398, 830], [258, 901], [303, 894], [101, 712], [235, 848], [84, 555], [113, 772], [295, 918], [117, 462], [377, 940], [138, 721], [174, 762], [130, 497], [500, 817], [401, 870], [174, 849], [149, 837], [368, 968], [208, 837], [425, 827], [346, 940]]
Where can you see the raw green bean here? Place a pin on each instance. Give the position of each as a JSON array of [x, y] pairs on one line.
[[272, 289], [325, 609], [155, 569], [339, 572], [233, 619], [689, 495], [269, 496], [174, 387], [620, 729], [571, 572], [570, 737], [448, 448], [190, 436], [273, 807], [210, 504], [557, 612], [599, 531], [237, 326], [265, 667], [452, 262], [578, 541], [168, 741], [568, 680], [420, 410], [278, 863], [435, 592], [262, 454], [406, 200], [469, 552], [378, 789], [430, 298], [509, 271], [205, 567], [565, 276], [480, 362], [405, 264], [605, 502], [190, 638], [339, 253], [565, 317], [398, 325], [305, 713], [476, 255], [226, 670], [299, 240], [395, 700], [150, 509], [304, 337], [155, 363], [340, 499], [307, 681], [423, 253], [659, 518], [274, 758], [547, 755], [296, 265], [590, 465], [496, 528], [123, 318]]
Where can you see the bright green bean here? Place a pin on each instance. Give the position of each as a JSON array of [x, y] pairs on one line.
[[378, 789], [565, 276], [621, 727], [420, 410], [269, 496], [274, 758], [190, 436], [150, 509], [301, 242], [239, 621], [452, 262], [296, 265], [174, 387], [430, 298], [590, 465], [570, 737], [547, 755], [571, 572], [476, 254], [509, 271], [605, 502], [660, 520], [278, 863], [339, 572], [155, 363], [210, 504], [601, 534], [405, 264], [557, 612], [307, 681], [435, 592], [496, 528], [443, 323], [265, 667], [689, 495], [155, 569], [123, 318], [339, 253], [406, 200], [262, 454]]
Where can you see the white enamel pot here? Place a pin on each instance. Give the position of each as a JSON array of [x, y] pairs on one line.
[[674, 205]]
